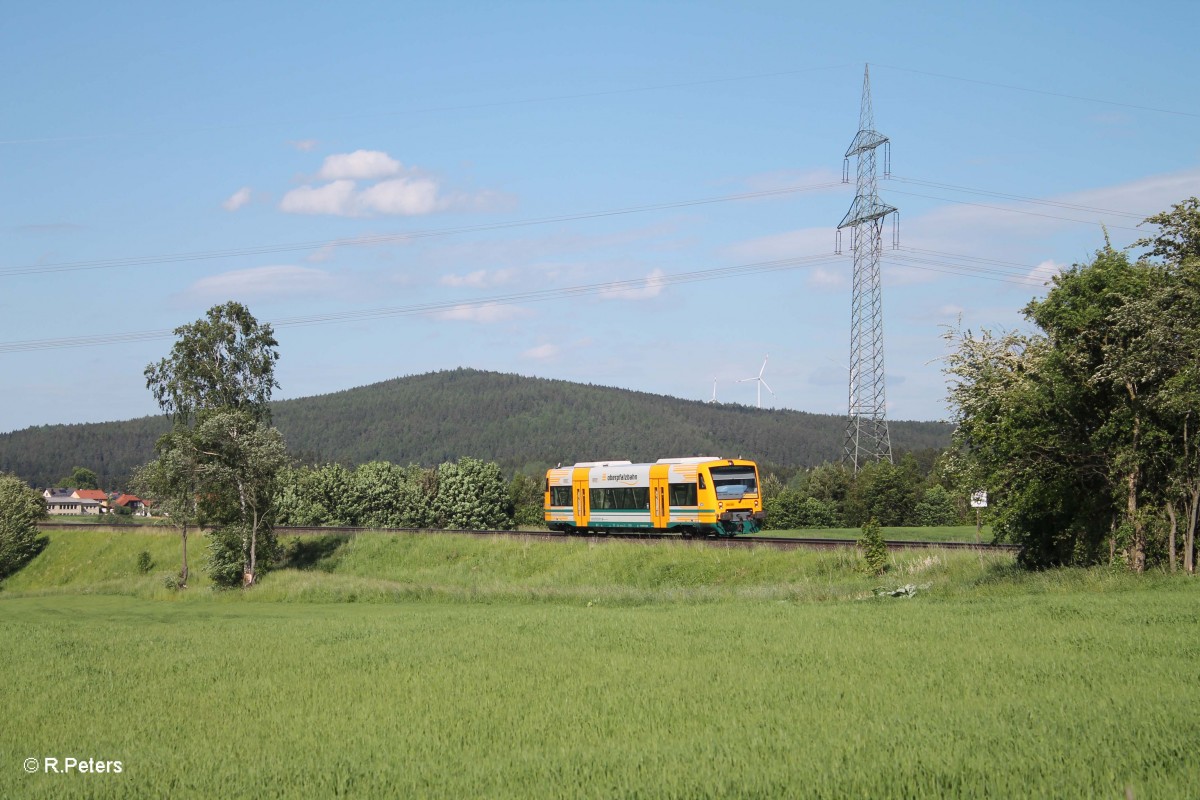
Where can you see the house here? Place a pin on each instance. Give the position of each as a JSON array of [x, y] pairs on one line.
[[132, 502], [59, 505], [99, 495], [50, 494]]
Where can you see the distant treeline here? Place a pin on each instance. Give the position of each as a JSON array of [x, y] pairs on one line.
[[523, 424]]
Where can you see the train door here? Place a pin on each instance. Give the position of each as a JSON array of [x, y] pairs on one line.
[[660, 499], [579, 482]]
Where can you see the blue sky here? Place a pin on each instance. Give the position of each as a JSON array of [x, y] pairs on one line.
[[157, 159]]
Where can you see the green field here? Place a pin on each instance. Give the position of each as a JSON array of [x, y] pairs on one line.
[[449, 666]]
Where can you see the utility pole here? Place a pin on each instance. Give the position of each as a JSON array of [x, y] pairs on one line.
[[867, 437]]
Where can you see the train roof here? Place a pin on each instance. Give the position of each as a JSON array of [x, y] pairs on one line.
[[683, 460]]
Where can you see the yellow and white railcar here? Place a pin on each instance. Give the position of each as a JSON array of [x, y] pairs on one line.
[[699, 495]]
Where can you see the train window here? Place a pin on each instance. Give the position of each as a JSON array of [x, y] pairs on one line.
[[733, 483], [598, 499], [621, 497], [682, 494], [703, 485], [560, 495]]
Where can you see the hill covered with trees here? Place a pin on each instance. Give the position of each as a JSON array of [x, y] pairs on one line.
[[522, 423]]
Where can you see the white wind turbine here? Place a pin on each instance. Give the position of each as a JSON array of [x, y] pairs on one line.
[[714, 397], [759, 379]]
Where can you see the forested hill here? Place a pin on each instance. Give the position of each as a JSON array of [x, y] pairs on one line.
[[523, 423]]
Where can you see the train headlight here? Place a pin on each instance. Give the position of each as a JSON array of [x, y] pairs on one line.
[[720, 506]]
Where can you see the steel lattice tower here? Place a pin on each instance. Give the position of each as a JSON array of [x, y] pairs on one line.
[[867, 436]]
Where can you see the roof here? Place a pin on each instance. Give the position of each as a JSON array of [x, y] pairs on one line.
[[126, 499], [71, 501], [91, 494], [58, 492]]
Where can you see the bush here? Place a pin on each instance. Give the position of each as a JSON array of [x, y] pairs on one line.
[[874, 549], [227, 556], [144, 562], [471, 494], [20, 509], [936, 507]]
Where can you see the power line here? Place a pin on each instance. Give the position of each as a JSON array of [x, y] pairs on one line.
[[1015, 211], [928, 260], [1020, 198], [900, 258], [210, 255], [1043, 92], [609, 287]]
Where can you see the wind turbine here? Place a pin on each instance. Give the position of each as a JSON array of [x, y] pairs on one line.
[[714, 397], [759, 379]]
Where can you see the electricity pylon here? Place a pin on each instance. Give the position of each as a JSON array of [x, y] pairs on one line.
[[867, 436]]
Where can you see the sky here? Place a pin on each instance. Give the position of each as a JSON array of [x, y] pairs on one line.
[[642, 195]]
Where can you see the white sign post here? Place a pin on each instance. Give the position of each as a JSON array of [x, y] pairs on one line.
[[978, 501]]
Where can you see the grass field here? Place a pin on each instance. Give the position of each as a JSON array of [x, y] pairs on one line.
[[487, 668]]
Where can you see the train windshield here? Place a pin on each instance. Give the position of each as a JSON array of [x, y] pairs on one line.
[[734, 483]]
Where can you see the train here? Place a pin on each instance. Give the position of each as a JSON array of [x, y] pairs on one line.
[[695, 496]]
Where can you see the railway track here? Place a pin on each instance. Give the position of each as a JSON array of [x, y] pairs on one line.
[[780, 542]]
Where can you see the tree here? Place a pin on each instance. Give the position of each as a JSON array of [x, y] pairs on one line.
[[173, 480], [1088, 427], [527, 501], [471, 494], [884, 491], [216, 386], [226, 360], [20, 509], [936, 507], [384, 495], [1172, 344], [81, 478], [240, 461], [315, 496]]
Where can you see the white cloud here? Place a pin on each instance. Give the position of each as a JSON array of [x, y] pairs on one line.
[[366, 165], [1004, 226], [369, 183], [485, 200], [237, 199], [820, 179], [821, 278], [1043, 272], [792, 244], [333, 198], [897, 275], [304, 145], [480, 278], [542, 352], [485, 313], [405, 197], [400, 196], [651, 286], [264, 282]]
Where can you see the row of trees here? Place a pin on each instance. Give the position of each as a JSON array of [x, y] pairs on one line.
[[467, 494], [833, 496], [1085, 430]]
